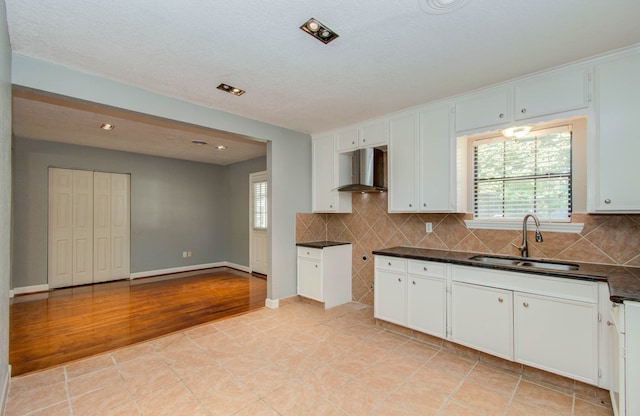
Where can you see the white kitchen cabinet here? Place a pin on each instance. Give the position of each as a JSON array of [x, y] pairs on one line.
[[411, 293], [552, 93], [437, 182], [617, 141], [403, 163], [325, 177], [390, 290], [324, 274], [482, 318], [427, 297], [542, 95], [421, 151], [367, 135], [557, 335], [485, 109]]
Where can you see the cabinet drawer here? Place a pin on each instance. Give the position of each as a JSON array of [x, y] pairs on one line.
[[309, 253], [427, 268], [395, 264]]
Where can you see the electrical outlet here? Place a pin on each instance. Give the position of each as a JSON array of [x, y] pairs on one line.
[[189, 253], [184, 254], [428, 227]]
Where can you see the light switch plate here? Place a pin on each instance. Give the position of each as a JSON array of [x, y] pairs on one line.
[[428, 227]]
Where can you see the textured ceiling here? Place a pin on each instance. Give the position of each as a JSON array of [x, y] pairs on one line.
[[390, 54]]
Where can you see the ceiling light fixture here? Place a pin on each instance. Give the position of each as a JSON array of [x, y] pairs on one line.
[[199, 142], [107, 127], [319, 31], [230, 89], [516, 132]]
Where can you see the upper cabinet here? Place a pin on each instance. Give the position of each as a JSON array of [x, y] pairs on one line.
[[325, 177], [421, 161], [367, 135], [554, 93], [482, 110], [538, 96], [617, 143]]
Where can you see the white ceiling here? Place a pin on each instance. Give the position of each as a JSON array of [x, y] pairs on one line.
[[390, 54]]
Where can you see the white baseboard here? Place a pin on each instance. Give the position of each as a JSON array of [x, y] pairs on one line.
[[238, 267], [5, 391], [28, 289], [272, 303], [191, 268]]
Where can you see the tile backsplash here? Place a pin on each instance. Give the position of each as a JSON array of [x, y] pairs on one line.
[[608, 239]]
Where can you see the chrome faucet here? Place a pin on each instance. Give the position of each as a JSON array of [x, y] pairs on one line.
[[524, 248]]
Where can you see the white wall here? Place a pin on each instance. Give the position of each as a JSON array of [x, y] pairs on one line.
[[5, 197], [288, 155]]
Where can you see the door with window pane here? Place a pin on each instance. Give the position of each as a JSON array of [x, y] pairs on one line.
[[259, 225]]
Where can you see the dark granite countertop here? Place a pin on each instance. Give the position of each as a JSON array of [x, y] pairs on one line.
[[322, 244], [624, 282]]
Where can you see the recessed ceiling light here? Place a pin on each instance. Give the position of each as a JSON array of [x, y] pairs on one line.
[[319, 31], [199, 142], [230, 89], [108, 127], [221, 148]]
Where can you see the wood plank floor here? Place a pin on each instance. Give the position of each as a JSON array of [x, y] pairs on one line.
[[67, 324]]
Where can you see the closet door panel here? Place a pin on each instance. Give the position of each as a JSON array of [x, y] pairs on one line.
[[102, 227], [60, 251], [82, 227], [120, 222]]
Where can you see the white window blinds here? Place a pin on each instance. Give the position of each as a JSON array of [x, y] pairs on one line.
[[527, 175], [260, 205]]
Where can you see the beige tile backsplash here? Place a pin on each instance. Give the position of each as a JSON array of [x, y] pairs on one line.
[[608, 239]]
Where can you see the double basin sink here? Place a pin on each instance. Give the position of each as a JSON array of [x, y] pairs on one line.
[[526, 262]]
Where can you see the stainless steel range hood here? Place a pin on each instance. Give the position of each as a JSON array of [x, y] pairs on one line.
[[367, 171]]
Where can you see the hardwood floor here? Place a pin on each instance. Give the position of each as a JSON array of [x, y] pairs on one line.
[[67, 324]]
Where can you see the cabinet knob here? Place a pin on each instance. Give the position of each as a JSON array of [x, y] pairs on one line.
[[501, 115], [424, 204], [500, 300], [364, 141], [308, 253], [424, 268], [389, 264], [607, 201], [316, 266], [525, 304], [330, 206], [609, 323], [410, 205], [399, 279], [353, 143], [524, 110], [413, 282]]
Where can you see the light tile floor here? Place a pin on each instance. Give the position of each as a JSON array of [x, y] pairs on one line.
[[296, 360]]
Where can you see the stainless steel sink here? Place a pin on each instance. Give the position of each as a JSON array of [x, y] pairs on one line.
[[537, 264]]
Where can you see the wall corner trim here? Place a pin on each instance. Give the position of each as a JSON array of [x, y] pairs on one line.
[[272, 303], [28, 289]]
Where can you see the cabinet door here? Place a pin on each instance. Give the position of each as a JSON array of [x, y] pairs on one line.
[[374, 134], [347, 139], [483, 110], [402, 158], [550, 94], [427, 304], [390, 296], [482, 318], [437, 182], [310, 278], [324, 178], [618, 136], [557, 335]]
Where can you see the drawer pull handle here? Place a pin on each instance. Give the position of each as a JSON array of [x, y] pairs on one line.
[[609, 323], [500, 300], [525, 304]]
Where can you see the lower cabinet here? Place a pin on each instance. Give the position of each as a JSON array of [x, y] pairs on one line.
[[324, 274], [557, 335], [411, 293], [545, 322], [482, 318]]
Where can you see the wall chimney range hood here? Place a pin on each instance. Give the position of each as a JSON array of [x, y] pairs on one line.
[[367, 171]]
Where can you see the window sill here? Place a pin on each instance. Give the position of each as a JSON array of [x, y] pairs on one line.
[[552, 227]]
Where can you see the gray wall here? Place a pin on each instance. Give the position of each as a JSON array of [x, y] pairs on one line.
[[176, 206], [238, 208], [5, 196], [288, 152]]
